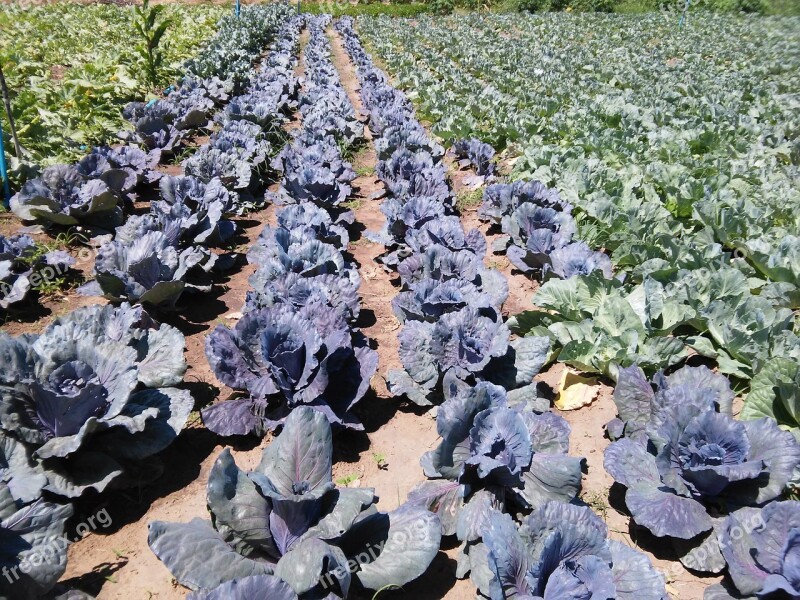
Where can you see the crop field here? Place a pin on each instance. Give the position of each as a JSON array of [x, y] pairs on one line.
[[72, 83], [489, 305], [677, 151]]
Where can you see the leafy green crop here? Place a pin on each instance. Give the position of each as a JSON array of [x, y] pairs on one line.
[[151, 31], [68, 88], [677, 148], [775, 393]]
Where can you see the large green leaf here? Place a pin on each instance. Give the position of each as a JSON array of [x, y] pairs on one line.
[[775, 393], [238, 508]]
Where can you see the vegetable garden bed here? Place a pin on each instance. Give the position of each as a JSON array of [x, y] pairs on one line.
[[303, 361], [70, 85]]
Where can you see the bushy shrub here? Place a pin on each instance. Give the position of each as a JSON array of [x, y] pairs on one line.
[[753, 6], [635, 6], [756, 6], [593, 5], [576, 5], [534, 5], [442, 7]]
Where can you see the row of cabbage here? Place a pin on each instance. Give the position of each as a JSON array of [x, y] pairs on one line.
[[93, 196], [86, 406], [502, 452], [285, 530], [717, 499], [304, 300], [155, 257], [683, 171], [222, 69], [656, 316]]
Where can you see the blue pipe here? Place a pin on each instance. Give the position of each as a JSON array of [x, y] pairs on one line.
[[4, 171], [683, 15], [238, 7]]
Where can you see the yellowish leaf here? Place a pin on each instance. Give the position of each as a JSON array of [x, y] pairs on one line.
[[576, 391]]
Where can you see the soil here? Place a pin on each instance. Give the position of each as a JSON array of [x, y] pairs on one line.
[[57, 72], [115, 562]]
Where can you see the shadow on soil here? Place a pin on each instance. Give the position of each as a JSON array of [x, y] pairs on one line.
[[204, 393], [661, 548], [92, 583], [26, 312], [374, 412], [180, 465], [356, 231], [196, 317], [366, 319]]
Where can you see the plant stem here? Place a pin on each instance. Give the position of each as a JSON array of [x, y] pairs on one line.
[[7, 102]]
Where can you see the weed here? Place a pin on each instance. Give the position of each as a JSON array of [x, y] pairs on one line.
[[346, 149], [185, 152], [360, 165], [195, 419], [496, 264], [63, 241], [150, 35], [54, 288], [359, 242], [347, 479], [598, 502], [469, 199], [353, 204], [364, 170], [380, 460]]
